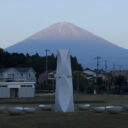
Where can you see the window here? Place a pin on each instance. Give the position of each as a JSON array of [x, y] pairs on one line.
[[3, 86], [22, 74], [26, 85], [29, 75], [1, 74], [10, 75]]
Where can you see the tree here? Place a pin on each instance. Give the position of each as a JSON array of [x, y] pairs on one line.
[[35, 61]]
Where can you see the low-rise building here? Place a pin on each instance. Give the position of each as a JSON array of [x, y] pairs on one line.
[[17, 89], [89, 74], [17, 82], [116, 73], [51, 77], [17, 74]]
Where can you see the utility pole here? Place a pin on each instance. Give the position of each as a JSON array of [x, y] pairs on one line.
[[98, 62], [47, 50], [105, 66], [78, 82]]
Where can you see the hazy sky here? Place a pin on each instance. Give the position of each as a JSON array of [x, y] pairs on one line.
[[21, 18]]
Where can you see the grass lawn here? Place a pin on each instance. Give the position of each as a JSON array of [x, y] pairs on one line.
[[78, 119]]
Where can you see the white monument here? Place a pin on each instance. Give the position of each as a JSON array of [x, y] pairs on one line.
[[64, 88]]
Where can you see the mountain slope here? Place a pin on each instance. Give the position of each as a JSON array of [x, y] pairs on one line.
[[82, 43]]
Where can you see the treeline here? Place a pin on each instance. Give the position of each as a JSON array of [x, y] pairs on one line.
[[36, 61]]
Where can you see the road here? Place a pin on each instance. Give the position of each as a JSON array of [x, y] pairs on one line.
[[49, 102]]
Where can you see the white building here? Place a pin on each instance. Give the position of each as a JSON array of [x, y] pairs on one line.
[[17, 89], [89, 73], [17, 74], [17, 82]]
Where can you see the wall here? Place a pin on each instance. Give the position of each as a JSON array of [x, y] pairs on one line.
[[4, 92], [26, 92]]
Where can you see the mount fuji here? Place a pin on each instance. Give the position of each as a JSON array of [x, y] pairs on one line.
[[82, 44]]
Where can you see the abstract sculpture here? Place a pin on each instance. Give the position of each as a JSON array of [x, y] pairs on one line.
[[83, 106], [115, 109], [99, 109], [64, 89], [44, 107], [29, 110], [15, 110]]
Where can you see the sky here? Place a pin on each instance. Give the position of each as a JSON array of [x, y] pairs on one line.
[[20, 19]]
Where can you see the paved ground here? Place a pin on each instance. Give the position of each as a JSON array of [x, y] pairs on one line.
[[48, 102]]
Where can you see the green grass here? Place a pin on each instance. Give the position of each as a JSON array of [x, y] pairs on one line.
[[78, 119], [84, 119]]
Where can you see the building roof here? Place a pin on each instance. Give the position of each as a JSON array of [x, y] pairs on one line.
[[24, 69]]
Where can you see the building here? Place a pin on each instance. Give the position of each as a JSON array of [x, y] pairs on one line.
[[17, 82], [47, 81], [17, 89], [17, 75], [51, 77], [116, 73], [89, 74]]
